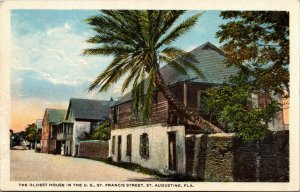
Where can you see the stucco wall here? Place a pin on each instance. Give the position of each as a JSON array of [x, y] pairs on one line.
[[78, 128], [158, 146]]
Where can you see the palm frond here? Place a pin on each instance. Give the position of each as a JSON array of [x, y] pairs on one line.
[[108, 50], [179, 30]]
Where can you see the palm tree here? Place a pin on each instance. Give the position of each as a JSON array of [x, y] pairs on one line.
[[140, 42]]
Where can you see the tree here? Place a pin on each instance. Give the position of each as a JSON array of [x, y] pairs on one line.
[[140, 42], [257, 43], [84, 136], [30, 132], [102, 132]]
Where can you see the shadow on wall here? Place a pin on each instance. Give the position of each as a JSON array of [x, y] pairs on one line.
[[263, 161]]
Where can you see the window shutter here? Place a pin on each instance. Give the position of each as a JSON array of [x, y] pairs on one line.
[[141, 145]]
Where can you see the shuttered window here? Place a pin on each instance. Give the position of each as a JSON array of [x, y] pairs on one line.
[[129, 145], [144, 145]]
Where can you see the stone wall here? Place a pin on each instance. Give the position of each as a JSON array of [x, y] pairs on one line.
[[94, 149], [224, 157]]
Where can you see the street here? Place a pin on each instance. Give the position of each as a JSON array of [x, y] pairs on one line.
[[26, 165]]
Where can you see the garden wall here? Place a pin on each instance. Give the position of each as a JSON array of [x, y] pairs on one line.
[[93, 149], [224, 157]]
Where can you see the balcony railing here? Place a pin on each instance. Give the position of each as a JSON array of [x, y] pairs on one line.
[[63, 136]]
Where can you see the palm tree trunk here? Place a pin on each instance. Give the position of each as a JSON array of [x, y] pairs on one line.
[[176, 104]]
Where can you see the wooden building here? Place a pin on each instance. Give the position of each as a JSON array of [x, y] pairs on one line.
[[160, 144]]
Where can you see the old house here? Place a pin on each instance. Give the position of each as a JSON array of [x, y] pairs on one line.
[[49, 129], [160, 144], [83, 115]]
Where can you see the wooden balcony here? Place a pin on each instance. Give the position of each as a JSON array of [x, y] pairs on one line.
[[63, 136]]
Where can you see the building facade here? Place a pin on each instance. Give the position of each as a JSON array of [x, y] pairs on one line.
[[83, 115], [160, 144], [49, 129]]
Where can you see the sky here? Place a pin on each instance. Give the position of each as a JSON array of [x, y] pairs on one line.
[[48, 69]]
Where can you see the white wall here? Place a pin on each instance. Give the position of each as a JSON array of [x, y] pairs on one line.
[[158, 146], [78, 128]]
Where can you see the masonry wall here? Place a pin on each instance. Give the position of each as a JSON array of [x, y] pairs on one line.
[[158, 147], [93, 149], [223, 157]]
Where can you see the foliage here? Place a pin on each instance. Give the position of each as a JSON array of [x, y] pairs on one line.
[[232, 104], [140, 42], [30, 132], [257, 43], [84, 136], [100, 133]]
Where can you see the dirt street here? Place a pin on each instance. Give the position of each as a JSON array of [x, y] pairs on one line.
[[26, 165]]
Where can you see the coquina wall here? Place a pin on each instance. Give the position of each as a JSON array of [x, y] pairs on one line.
[[94, 149], [224, 157]]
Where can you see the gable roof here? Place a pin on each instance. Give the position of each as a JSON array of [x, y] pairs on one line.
[[210, 62], [55, 115], [89, 109]]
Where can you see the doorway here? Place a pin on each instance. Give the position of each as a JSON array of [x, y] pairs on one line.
[[172, 151], [119, 148]]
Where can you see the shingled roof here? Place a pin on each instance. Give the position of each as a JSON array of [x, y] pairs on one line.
[[55, 115], [90, 109], [210, 62]]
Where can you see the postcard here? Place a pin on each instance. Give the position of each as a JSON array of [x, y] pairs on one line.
[[149, 95]]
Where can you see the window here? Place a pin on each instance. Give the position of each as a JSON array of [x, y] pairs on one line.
[[201, 101], [116, 114], [144, 145], [113, 144], [263, 99], [129, 145]]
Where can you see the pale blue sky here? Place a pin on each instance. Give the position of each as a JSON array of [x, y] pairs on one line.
[[46, 47]]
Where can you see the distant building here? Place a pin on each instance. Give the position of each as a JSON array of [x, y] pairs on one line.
[[49, 129], [83, 115]]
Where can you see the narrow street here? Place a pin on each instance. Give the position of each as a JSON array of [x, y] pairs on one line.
[[26, 165]]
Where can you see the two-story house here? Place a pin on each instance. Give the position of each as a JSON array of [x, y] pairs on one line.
[[83, 115], [49, 129], [160, 144]]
